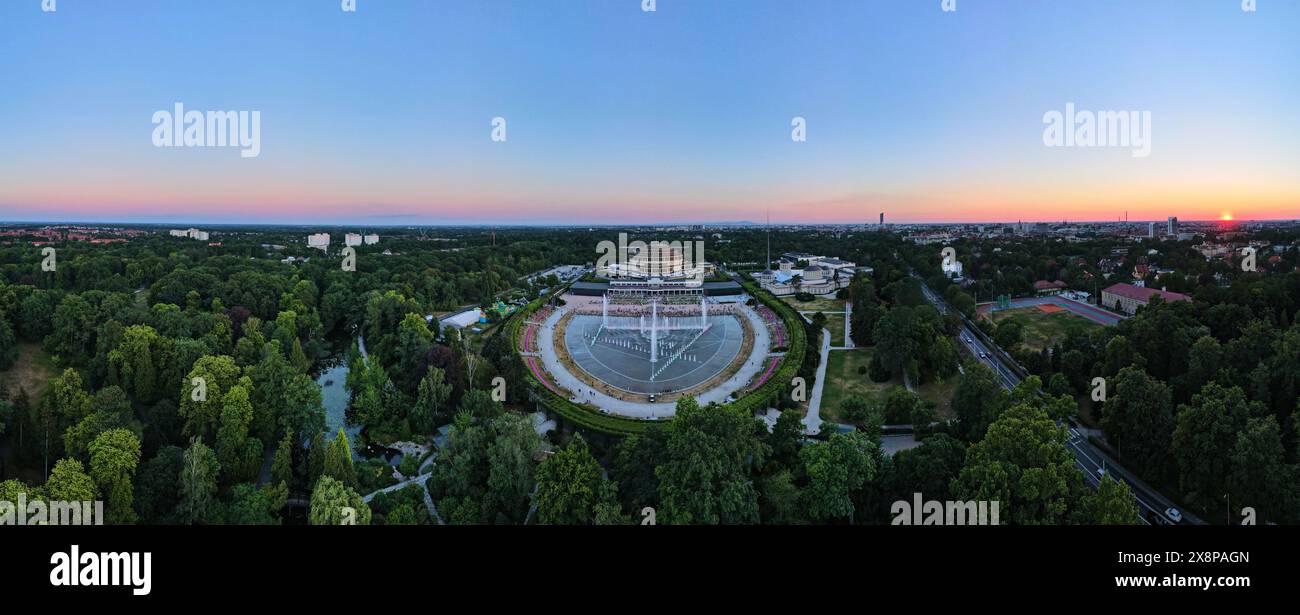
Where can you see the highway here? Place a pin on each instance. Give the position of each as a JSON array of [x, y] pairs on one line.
[[1087, 457]]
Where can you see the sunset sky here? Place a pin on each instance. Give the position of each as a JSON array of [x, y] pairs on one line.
[[614, 115]]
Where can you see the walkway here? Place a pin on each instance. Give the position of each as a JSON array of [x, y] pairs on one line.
[[421, 479], [812, 422], [848, 324]]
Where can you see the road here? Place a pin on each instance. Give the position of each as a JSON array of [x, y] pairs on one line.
[[1087, 457]]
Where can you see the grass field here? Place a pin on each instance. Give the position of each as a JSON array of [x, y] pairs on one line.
[[835, 322], [941, 394], [31, 372], [1043, 329], [843, 380], [818, 304]]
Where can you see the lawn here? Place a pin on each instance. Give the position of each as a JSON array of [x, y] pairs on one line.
[[818, 304], [835, 322], [940, 393], [843, 380], [31, 372], [1042, 329]]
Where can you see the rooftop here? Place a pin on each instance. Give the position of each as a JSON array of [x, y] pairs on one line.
[[1140, 293]]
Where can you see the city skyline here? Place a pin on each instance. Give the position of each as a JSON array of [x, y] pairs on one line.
[[617, 116]]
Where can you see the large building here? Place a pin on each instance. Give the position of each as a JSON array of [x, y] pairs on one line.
[[658, 260], [192, 233], [801, 272], [352, 239], [1128, 298], [320, 241]]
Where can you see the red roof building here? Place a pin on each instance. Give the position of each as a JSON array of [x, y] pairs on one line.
[[1128, 298]]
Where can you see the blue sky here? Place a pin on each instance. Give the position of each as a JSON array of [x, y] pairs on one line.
[[617, 115]]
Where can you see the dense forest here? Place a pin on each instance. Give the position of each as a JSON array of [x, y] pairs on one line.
[[182, 386]]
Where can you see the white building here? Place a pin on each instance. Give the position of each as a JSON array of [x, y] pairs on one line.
[[352, 239], [319, 241], [191, 233], [371, 239], [821, 275]]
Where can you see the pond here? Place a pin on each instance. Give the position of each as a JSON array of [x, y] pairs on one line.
[[334, 396]]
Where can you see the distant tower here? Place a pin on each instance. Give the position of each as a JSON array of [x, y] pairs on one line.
[[882, 218], [1173, 226]]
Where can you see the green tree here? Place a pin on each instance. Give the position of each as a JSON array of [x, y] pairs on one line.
[[1023, 463], [432, 402], [977, 401], [334, 503], [70, 483], [836, 468], [929, 468], [282, 465], [202, 403], [338, 460], [198, 482], [1111, 504], [570, 485], [705, 477], [1260, 477], [511, 467], [1139, 420], [114, 457], [240, 456], [1205, 438]]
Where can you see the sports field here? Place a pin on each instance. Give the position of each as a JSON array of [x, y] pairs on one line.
[[1084, 310], [1045, 324]]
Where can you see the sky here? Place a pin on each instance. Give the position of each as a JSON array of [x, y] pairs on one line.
[[615, 115]]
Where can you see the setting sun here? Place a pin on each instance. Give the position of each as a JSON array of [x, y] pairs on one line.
[[1226, 216]]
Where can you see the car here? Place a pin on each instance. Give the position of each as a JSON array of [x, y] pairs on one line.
[[652, 398], [983, 355], [1155, 518], [1174, 515]]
